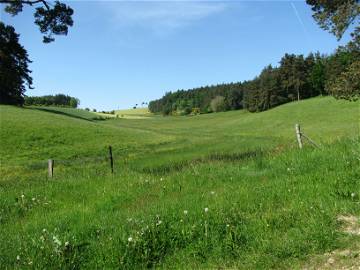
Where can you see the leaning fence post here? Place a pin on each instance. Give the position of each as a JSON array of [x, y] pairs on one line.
[[298, 135], [51, 168], [111, 159]]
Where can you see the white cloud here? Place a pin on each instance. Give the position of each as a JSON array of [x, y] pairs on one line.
[[160, 16]]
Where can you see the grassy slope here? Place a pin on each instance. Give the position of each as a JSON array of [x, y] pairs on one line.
[[271, 210]]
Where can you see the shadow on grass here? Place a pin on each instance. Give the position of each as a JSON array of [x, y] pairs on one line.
[[50, 110], [178, 166]]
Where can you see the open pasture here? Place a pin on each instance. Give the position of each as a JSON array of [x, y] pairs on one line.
[[224, 190]]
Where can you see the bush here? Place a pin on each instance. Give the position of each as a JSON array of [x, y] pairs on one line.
[[195, 111]]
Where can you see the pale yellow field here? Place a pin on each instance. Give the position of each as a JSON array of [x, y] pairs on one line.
[[139, 113]]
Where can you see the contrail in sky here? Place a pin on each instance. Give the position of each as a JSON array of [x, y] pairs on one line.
[[299, 19]]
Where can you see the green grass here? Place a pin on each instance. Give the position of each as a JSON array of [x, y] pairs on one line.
[[269, 204], [71, 112]]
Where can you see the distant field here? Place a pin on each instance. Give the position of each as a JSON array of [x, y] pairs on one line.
[[138, 113], [105, 115], [216, 191]]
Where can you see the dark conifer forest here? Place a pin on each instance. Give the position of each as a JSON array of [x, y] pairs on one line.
[[297, 77]]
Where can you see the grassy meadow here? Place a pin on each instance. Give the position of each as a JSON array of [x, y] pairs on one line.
[[221, 190]]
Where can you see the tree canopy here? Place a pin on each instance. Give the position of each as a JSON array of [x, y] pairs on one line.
[[51, 18], [335, 16], [53, 100]]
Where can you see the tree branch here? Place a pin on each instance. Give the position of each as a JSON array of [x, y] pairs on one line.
[[28, 2]]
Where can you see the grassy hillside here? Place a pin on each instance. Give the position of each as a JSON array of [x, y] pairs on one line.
[[211, 191], [71, 112]]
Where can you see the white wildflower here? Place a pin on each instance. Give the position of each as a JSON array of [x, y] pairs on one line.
[[22, 196], [67, 243], [33, 199], [130, 239], [18, 257], [206, 209], [353, 195], [185, 212], [56, 240], [212, 192]]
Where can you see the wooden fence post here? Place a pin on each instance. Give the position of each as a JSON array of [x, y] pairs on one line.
[[111, 159], [51, 168], [298, 135]]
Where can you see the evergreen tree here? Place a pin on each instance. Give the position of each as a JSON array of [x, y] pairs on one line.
[[14, 71]]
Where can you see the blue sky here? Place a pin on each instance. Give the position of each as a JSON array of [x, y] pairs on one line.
[[119, 53]]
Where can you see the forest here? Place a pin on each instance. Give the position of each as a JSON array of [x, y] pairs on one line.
[[52, 100], [297, 77]]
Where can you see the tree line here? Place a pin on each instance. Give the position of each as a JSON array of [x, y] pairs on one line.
[[52, 100], [297, 77], [274, 86]]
